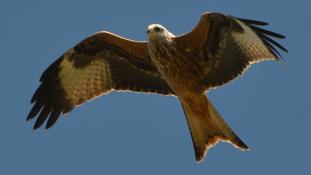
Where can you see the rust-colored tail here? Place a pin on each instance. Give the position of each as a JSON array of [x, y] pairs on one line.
[[207, 126]]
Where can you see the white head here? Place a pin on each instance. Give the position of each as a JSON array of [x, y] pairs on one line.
[[157, 31]]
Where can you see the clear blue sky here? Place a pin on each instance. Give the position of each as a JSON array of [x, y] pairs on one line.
[[130, 133]]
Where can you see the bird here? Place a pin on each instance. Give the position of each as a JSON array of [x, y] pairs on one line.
[[219, 49]]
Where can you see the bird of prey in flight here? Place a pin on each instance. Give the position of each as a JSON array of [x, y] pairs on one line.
[[219, 49]]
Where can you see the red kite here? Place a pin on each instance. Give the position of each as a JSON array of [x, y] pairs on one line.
[[219, 49]]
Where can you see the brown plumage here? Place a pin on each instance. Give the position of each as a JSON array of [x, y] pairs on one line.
[[219, 49]]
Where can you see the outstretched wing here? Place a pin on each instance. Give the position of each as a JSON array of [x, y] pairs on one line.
[[227, 46], [99, 64]]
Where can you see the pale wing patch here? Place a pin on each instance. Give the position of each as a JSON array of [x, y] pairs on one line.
[[252, 46], [83, 84]]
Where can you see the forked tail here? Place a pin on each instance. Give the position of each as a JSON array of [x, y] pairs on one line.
[[207, 126]]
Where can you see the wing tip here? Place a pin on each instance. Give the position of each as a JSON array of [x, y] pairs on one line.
[[251, 21], [49, 99], [266, 36]]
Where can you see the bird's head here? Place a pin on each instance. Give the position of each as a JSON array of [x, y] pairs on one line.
[[157, 31]]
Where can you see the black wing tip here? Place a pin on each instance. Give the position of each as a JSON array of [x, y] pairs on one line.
[[39, 123], [48, 126], [267, 32], [34, 111], [254, 22], [266, 36], [50, 98], [47, 114], [35, 127], [281, 36], [28, 118], [52, 118]]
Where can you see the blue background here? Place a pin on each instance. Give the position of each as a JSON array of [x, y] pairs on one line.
[[130, 133]]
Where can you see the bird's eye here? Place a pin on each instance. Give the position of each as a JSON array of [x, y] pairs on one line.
[[157, 29]]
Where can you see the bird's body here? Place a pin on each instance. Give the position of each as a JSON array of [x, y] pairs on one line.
[[219, 49], [174, 68], [185, 73]]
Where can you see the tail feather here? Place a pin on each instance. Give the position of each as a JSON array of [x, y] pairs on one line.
[[207, 127]]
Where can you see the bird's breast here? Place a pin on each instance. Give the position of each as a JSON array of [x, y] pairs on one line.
[[179, 70]]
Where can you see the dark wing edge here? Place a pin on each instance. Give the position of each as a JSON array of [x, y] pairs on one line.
[[266, 36], [50, 97], [127, 67]]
